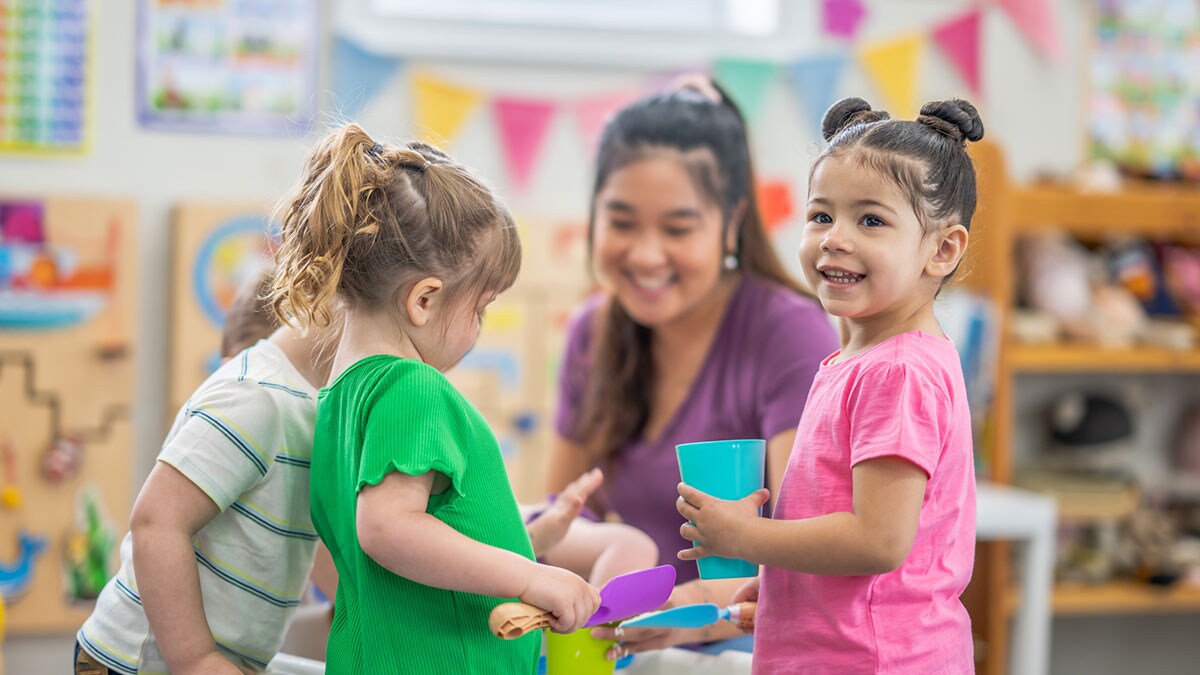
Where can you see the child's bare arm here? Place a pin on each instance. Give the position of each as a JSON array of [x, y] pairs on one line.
[[168, 513], [391, 516], [874, 538]]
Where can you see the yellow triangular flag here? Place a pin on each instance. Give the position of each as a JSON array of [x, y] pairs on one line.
[[893, 67], [442, 108]]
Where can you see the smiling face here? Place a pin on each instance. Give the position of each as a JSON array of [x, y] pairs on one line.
[[864, 250], [657, 240]]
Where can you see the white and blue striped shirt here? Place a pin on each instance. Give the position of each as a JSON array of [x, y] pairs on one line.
[[244, 438]]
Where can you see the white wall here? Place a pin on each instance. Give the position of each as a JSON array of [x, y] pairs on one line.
[[1033, 109]]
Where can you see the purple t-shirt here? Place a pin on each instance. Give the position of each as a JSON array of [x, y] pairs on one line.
[[753, 384]]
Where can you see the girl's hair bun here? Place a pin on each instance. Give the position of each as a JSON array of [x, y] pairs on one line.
[[955, 118], [848, 112]]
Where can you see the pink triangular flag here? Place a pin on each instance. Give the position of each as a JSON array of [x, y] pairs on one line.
[[593, 113], [522, 124], [1035, 18], [842, 18], [959, 39]]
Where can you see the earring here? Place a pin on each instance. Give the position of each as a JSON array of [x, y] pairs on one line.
[[731, 262]]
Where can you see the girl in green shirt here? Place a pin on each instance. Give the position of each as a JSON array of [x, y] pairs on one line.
[[409, 490]]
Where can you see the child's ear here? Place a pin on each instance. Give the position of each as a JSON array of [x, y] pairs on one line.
[[951, 244], [424, 300]]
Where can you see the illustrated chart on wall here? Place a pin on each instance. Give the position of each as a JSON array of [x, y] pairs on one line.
[[1144, 91], [44, 68], [230, 67], [67, 339], [512, 374], [216, 249]]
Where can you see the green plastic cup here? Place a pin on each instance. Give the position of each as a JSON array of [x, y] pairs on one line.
[[726, 470], [577, 653]]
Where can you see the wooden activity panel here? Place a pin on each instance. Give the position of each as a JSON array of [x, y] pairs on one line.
[[512, 374], [215, 250], [67, 315]]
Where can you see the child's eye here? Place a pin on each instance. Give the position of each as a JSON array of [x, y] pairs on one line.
[[677, 232], [822, 218], [873, 221], [620, 225]]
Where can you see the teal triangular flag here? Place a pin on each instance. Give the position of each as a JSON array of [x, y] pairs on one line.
[[746, 81], [358, 75], [816, 81]]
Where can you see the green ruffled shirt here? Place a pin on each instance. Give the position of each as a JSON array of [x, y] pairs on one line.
[[385, 414]]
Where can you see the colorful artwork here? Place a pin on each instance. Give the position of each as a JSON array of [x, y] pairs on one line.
[[1145, 88], [16, 577], [46, 286], [87, 551], [235, 66], [234, 254], [43, 75]]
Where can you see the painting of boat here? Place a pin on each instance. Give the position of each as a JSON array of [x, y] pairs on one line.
[[45, 286]]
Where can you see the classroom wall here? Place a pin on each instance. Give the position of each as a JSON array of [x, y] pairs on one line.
[[1032, 109]]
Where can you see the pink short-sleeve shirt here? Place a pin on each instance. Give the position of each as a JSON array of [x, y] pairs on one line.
[[905, 398]]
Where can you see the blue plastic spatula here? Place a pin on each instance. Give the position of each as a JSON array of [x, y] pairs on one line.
[[696, 616], [688, 616]]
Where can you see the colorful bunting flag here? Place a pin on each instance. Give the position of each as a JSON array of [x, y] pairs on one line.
[[816, 80], [1035, 18], [746, 81], [442, 108], [775, 203], [893, 67], [522, 125], [358, 74], [842, 18], [594, 112], [959, 40]]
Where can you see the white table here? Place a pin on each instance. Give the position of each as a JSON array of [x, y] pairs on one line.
[[1008, 513]]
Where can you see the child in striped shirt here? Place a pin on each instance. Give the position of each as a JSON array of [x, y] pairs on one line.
[[220, 536]]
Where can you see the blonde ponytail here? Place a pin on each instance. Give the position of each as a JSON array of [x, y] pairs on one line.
[[366, 217]]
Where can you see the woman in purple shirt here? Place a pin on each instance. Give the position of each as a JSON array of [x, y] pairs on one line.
[[699, 335]]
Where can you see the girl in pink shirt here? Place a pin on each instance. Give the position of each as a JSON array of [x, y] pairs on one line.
[[873, 538]]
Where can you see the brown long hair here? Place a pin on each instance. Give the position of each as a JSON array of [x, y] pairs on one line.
[[367, 218], [710, 140]]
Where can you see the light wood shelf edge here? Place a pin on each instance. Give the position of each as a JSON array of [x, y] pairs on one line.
[[1116, 597]]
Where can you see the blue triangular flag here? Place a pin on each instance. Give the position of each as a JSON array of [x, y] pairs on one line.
[[816, 79], [358, 75]]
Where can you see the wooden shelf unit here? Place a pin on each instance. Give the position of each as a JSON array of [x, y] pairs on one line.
[[1089, 358], [1006, 212], [1117, 597]]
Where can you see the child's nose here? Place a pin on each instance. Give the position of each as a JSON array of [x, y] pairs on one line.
[[837, 239], [647, 250]]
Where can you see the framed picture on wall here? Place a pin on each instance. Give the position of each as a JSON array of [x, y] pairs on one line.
[[1144, 107], [227, 66]]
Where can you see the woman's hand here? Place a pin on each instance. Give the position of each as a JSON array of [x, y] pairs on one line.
[[717, 526], [748, 592], [635, 640]]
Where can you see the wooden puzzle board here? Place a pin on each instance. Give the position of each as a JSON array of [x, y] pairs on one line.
[[74, 350]]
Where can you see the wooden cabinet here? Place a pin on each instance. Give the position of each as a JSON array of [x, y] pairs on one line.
[[1005, 213]]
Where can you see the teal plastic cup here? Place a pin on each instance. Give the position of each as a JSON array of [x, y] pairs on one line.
[[726, 470]]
